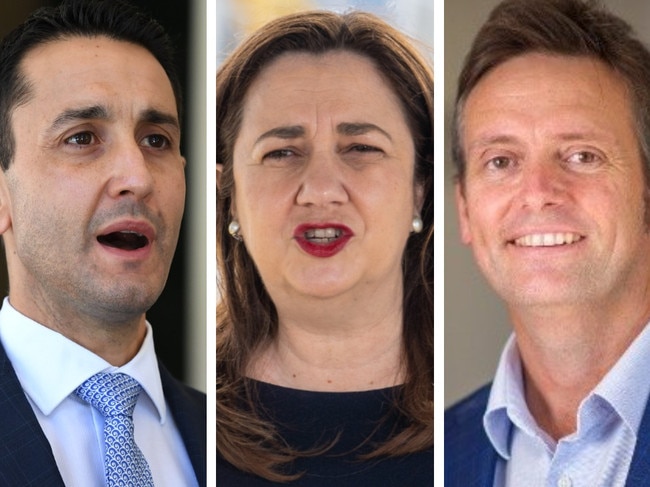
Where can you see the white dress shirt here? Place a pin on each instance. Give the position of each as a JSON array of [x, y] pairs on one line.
[[597, 454], [50, 367]]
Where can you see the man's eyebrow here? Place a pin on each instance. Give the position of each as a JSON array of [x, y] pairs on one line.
[[347, 128], [160, 118], [488, 140], [76, 114], [284, 132]]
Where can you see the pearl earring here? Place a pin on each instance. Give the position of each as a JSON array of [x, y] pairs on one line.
[[233, 230], [417, 224]]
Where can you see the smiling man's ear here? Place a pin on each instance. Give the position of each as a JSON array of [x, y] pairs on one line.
[[463, 216]]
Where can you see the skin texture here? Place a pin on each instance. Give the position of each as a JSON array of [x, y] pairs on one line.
[[97, 149], [342, 312], [551, 149]]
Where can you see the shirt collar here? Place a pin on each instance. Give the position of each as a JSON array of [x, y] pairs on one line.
[[626, 386], [50, 366], [624, 389], [506, 395]]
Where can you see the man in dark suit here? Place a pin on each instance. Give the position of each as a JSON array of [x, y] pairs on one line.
[[552, 149], [92, 194]]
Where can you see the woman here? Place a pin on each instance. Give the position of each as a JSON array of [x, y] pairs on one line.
[[324, 231]]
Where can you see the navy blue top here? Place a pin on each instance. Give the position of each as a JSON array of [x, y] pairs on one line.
[[307, 419]]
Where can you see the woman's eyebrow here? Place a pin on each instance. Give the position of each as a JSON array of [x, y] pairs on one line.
[[285, 132], [347, 128]]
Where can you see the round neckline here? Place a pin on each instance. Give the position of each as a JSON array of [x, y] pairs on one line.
[[310, 391]]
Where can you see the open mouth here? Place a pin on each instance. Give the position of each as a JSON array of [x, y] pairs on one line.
[[547, 239], [322, 239], [323, 235], [124, 240]]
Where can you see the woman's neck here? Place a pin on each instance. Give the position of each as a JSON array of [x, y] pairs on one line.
[[334, 345]]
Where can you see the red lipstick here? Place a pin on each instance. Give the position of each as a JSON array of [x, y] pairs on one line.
[[322, 239]]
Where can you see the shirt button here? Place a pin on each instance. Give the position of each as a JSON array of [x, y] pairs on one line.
[[564, 481]]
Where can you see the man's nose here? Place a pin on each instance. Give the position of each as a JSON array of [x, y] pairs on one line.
[[131, 172], [543, 183]]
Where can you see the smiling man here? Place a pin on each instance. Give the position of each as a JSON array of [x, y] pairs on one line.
[[92, 193], [551, 148]]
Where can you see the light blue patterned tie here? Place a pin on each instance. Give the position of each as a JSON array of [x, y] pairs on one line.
[[115, 395]]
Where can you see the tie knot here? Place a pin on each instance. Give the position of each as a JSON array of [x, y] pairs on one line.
[[111, 394]]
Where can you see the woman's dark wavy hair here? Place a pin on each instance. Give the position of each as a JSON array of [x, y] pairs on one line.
[[246, 315], [561, 27]]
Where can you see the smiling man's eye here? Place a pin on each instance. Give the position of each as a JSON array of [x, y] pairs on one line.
[[500, 162], [584, 157]]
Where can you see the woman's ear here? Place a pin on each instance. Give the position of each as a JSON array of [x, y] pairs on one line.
[[419, 197], [219, 174]]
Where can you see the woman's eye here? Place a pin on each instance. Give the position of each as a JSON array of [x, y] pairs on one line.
[[82, 138], [279, 154], [365, 148], [156, 141]]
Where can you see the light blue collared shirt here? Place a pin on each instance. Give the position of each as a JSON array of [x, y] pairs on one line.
[[597, 454], [50, 367]]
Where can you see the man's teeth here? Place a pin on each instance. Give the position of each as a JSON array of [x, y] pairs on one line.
[[547, 239], [322, 235]]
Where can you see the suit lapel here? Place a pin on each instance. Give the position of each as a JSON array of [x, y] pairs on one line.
[[640, 467], [189, 411], [470, 459], [25, 454]]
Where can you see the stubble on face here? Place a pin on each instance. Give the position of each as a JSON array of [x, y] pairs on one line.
[[60, 194]]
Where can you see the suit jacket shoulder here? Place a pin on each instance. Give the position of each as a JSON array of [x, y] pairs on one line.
[[639, 472], [26, 457], [470, 459], [188, 406]]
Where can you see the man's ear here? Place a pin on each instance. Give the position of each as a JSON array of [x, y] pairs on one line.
[[5, 203], [463, 216]]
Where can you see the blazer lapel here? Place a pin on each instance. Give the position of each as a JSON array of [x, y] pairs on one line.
[[470, 459], [25, 454], [640, 467], [188, 407]]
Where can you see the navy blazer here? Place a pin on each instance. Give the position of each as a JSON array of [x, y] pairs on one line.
[[470, 459], [26, 458]]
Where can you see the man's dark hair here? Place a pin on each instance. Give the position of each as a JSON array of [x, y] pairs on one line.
[[113, 19], [564, 27]]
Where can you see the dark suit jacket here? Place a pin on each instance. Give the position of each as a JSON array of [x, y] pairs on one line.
[[470, 460], [26, 458]]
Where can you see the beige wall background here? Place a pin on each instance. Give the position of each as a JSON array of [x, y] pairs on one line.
[[476, 323]]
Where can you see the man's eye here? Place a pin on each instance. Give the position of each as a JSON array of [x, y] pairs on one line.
[[584, 157], [82, 138], [500, 162], [156, 141]]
